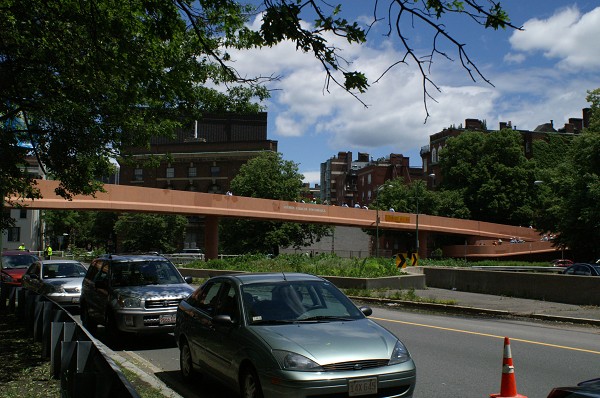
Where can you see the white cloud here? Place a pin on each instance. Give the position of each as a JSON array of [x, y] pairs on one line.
[[312, 177], [568, 36], [313, 125], [514, 58]]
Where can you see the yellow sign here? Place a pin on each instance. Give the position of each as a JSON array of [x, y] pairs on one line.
[[394, 218], [407, 259]]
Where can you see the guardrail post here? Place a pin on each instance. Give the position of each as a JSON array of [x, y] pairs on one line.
[[56, 339], [48, 315], [38, 321], [67, 358], [21, 303], [12, 297], [30, 305]]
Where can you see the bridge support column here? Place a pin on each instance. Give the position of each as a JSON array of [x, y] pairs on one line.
[[423, 241], [211, 237]]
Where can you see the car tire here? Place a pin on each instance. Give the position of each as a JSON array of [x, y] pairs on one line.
[[114, 335], [86, 321], [186, 366], [250, 384]]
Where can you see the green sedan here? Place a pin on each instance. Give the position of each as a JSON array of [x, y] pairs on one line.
[[289, 334]]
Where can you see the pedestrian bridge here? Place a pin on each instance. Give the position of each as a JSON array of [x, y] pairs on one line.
[[479, 236]]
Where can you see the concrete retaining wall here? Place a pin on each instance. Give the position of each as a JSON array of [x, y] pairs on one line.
[[392, 282], [568, 289]]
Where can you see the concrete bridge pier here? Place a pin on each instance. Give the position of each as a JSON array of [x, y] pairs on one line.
[[423, 243], [211, 237]]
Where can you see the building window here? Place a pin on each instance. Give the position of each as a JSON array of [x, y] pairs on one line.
[[22, 213], [14, 234], [369, 179], [138, 174], [214, 171], [170, 172], [192, 172]]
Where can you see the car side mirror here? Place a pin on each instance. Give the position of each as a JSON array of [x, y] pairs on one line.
[[33, 276], [188, 279], [367, 311], [223, 320]]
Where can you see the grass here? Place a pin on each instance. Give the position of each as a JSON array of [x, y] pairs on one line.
[[144, 389], [23, 373], [332, 265], [404, 295]]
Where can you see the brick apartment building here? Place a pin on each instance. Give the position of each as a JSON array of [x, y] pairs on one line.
[[203, 157], [430, 153]]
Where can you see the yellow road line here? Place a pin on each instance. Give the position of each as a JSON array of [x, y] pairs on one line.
[[487, 335]]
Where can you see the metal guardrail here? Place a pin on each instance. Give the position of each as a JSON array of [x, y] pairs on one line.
[[83, 368], [555, 270]]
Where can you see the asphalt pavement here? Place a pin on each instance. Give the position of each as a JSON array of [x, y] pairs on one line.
[[461, 302]]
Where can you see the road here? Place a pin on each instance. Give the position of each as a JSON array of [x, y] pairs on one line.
[[456, 356]]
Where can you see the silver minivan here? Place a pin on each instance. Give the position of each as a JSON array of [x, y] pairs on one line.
[[132, 293]]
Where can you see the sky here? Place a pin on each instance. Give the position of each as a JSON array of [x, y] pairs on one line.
[[538, 74]]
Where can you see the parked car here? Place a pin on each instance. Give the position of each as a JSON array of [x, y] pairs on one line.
[[561, 262], [132, 293], [59, 280], [14, 265], [289, 334], [585, 389], [584, 269]]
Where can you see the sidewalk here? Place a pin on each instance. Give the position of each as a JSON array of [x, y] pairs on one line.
[[508, 306]]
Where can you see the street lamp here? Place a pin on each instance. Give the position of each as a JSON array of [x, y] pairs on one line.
[[377, 219]]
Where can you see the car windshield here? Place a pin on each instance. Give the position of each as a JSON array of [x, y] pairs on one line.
[[296, 301], [139, 273], [18, 260], [63, 270]]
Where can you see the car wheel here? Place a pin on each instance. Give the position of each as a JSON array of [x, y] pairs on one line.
[[251, 384], [86, 321], [185, 362], [114, 335]]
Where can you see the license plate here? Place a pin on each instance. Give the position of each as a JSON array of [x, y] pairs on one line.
[[75, 300], [365, 386], [166, 319]]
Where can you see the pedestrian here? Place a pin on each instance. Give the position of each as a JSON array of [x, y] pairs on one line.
[[48, 252], [22, 247]]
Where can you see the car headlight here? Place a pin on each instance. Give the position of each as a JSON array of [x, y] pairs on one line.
[[291, 361], [129, 302], [399, 355], [7, 278]]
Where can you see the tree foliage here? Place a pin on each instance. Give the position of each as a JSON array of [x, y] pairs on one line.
[[83, 229], [570, 192], [83, 80], [141, 232], [492, 173], [267, 176]]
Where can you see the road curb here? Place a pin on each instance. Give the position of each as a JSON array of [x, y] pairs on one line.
[[476, 310]]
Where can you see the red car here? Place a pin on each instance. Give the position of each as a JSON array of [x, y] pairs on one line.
[[562, 263], [14, 265]]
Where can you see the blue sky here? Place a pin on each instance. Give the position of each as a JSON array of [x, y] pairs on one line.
[[539, 74]]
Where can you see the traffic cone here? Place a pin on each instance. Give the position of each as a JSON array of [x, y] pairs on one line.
[[508, 385]]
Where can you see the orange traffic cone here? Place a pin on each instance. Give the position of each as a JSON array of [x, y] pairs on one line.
[[508, 386]]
